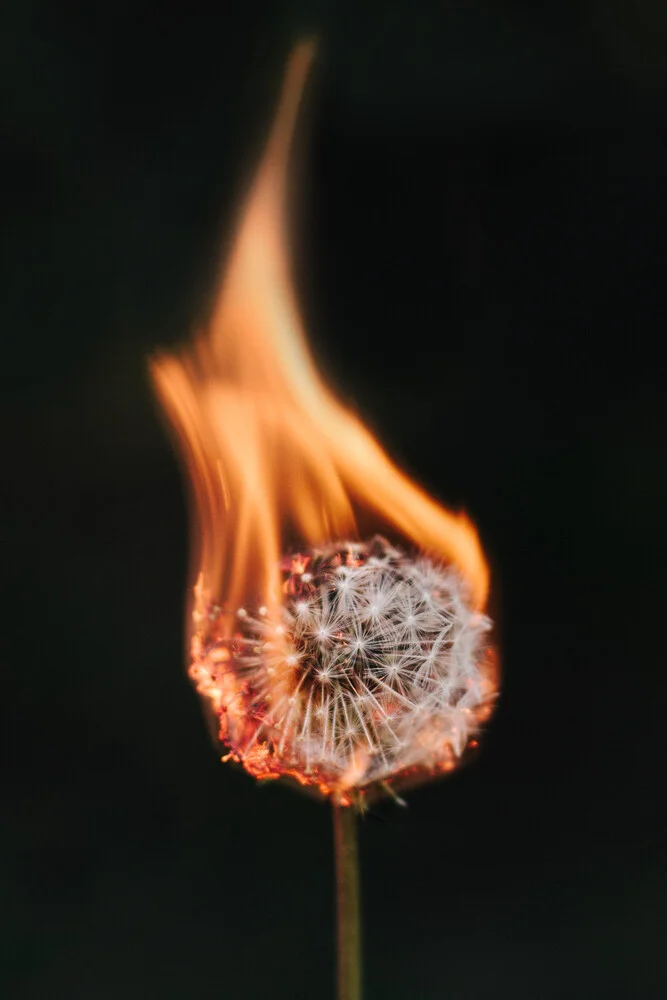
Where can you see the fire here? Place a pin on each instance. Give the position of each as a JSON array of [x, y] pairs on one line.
[[272, 455]]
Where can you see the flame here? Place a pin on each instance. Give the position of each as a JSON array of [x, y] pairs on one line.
[[271, 452]]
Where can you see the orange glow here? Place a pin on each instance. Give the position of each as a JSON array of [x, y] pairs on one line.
[[271, 453]]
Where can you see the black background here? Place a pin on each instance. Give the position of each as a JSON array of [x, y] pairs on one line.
[[481, 233]]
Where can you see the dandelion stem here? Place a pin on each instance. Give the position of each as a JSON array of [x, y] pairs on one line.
[[348, 902]]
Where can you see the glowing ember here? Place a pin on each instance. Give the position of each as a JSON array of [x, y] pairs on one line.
[[362, 665]]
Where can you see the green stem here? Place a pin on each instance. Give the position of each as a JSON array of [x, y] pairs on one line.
[[347, 902]]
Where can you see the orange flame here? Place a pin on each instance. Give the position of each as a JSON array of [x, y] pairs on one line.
[[271, 452]]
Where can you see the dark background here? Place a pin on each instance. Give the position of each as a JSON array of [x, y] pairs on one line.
[[481, 233]]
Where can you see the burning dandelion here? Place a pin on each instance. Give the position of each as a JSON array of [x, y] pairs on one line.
[[353, 667], [349, 666]]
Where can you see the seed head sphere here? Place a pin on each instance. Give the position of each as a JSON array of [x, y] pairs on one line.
[[376, 671]]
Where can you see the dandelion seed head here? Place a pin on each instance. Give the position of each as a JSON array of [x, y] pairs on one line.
[[375, 669]]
